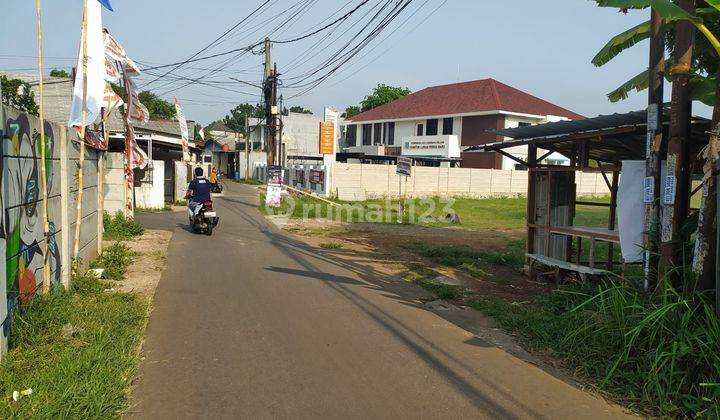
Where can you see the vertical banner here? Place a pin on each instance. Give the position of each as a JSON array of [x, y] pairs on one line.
[[331, 117], [327, 138], [183, 131]]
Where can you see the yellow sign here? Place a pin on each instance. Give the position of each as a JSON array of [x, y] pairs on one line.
[[327, 138]]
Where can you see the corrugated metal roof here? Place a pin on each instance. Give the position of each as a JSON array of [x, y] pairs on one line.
[[577, 126]]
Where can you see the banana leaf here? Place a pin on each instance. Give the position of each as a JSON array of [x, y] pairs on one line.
[[621, 42]]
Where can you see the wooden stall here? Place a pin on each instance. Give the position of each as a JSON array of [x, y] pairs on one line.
[[556, 244]]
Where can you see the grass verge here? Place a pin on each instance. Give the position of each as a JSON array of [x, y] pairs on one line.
[[153, 209], [114, 261], [76, 349], [248, 181], [117, 228]]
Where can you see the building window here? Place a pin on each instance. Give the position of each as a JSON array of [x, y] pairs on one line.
[[447, 126], [431, 127], [390, 131], [523, 124], [367, 134], [419, 131], [377, 136], [351, 136], [520, 167]]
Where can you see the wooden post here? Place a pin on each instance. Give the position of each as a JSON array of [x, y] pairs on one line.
[[652, 148], [64, 208], [100, 201], [612, 216], [704, 262], [81, 162], [43, 152], [532, 162], [677, 181]]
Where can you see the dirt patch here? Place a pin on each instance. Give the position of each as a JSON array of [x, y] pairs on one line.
[[384, 246], [143, 275]]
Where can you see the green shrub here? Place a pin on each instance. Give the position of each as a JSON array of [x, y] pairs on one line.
[[660, 353], [117, 228], [114, 260]]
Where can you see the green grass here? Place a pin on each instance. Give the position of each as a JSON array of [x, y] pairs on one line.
[[114, 260], [425, 278], [331, 245], [469, 258], [657, 353], [117, 228], [77, 350], [164, 208], [248, 181], [491, 213]]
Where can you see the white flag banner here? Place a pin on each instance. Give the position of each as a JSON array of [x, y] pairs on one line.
[[112, 100], [95, 71], [183, 130]]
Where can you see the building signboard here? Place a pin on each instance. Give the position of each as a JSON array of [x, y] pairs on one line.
[[447, 146], [404, 166], [327, 138]]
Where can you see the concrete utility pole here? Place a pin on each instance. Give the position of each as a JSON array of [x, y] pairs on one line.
[[676, 197], [653, 148], [247, 149], [268, 90]]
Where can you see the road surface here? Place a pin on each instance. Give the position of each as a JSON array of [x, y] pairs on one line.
[[252, 323]]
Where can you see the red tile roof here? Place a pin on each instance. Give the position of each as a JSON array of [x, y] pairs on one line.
[[464, 98]]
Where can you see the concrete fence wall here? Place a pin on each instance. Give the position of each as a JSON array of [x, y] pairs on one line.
[[150, 193], [357, 181], [22, 240]]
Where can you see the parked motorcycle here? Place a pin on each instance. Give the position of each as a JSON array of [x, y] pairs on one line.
[[205, 220]]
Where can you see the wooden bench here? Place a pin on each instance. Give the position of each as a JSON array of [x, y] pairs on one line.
[[582, 270]]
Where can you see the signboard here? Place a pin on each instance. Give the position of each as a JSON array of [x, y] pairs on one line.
[[404, 166], [316, 177], [670, 186], [649, 190], [273, 197], [440, 146], [275, 175], [327, 138]]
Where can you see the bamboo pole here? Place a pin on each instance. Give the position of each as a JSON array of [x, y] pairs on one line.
[[43, 145], [78, 204]]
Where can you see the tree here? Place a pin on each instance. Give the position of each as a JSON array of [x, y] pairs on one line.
[[236, 119], [18, 94], [59, 73], [351, 111], [300, 110], [158, 108], [381, 95]]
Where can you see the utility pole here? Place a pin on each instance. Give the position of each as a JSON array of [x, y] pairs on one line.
[[247, 148], [269, 102], [653, 148], [676, 198]]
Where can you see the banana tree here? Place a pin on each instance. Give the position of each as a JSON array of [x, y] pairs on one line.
[[703, 77]]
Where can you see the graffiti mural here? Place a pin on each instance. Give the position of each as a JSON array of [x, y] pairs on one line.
[[22, 226]]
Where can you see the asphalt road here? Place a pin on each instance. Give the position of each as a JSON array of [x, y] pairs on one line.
[[251, 323]]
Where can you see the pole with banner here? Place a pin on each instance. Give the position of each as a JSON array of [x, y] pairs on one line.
[[183, 131], [404, 170], [330, 146]]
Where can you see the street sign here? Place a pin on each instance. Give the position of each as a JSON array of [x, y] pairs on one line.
[[327, 138], [404, 166]]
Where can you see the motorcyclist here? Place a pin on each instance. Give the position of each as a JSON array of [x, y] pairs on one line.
[[213, 177], [198, 191]]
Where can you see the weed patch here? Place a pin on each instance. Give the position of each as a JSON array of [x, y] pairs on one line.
[[472, 259], [76, 349], [114, 260], [153, 209], [117, 228], [331, 245], [425, 277], [248, 181], [659, 353]]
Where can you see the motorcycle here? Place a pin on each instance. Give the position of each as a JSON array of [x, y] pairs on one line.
[[216, 188], [205, 220]]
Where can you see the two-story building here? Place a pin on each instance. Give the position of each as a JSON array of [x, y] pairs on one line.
[[441, 121]]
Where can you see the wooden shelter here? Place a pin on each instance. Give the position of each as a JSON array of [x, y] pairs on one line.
[[555, 244]]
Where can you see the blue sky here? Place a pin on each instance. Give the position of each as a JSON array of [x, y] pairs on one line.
[[542, 47]]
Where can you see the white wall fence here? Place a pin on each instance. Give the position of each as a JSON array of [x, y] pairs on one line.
[[357, 181]]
